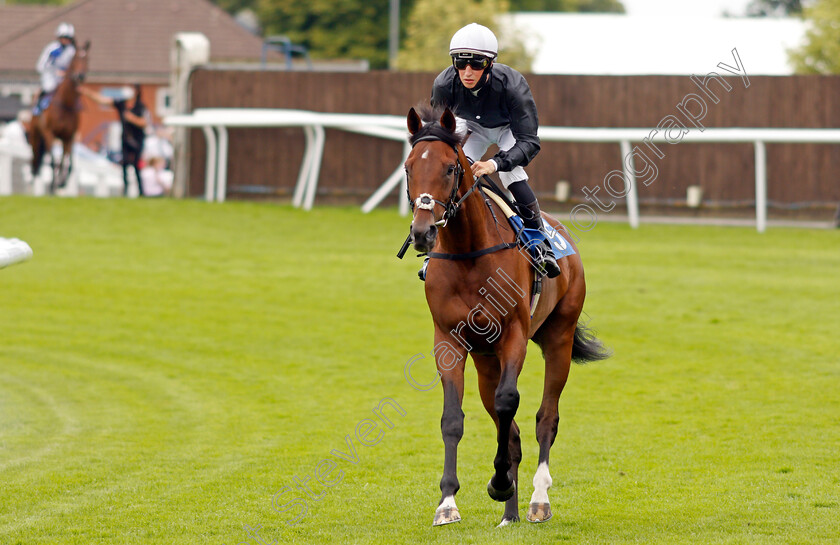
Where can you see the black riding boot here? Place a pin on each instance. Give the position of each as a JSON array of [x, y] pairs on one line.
[[529, 209], [37, 109]]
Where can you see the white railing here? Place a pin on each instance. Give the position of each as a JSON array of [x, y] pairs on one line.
[[756, 136], [91, 175], [215, 122]]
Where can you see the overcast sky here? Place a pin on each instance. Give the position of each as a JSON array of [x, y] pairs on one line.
[[688, 8]]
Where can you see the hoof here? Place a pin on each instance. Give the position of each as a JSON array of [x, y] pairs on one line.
[[507, 521], [446, 515], [501, 495], [539, 512]]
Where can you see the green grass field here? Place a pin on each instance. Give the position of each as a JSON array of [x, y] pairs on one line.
[[166, 367]]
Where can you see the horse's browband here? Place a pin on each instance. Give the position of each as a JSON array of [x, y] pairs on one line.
[[427, 138]]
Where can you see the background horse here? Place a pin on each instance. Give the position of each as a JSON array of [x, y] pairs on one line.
[[60, 121], [478, 287]]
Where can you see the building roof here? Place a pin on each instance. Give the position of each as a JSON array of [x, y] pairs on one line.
[[130, 39], [12, 17], [608, 44]]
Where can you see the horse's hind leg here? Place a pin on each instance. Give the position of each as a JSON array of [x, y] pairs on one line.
[[489, 372], [37, 142], [557, 351]]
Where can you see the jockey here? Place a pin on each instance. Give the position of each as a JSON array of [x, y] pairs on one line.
[[495, 102], [54, 62]]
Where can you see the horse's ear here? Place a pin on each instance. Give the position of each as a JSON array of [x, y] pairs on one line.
[[413, 121], [447, 120]]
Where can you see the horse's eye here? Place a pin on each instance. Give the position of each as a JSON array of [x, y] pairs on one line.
[[450, 170]]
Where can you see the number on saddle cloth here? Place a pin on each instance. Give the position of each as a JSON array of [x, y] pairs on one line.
[[533, 238]]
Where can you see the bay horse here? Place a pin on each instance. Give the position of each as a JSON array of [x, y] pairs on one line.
[[478, 288], [60, 121]]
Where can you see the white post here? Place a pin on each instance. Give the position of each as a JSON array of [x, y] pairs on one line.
[[5, 173], [212, 158], [396, 178], [760, 186], [305, 166], [314, 167], [630, 178], [189, 49], [221, 174]]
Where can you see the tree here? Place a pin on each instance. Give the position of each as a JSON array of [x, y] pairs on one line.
[[333, 29], [601, 6], [821, 52], [235, 6], [769, 8], [433, 22], [588, 6], [543, 5]]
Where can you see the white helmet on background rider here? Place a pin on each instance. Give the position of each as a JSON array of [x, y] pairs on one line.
[[474, 39], [65, 30]]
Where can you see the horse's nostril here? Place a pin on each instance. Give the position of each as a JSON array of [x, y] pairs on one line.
[[432, 232]]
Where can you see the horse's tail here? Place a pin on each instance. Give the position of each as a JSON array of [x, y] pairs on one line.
[[587, 347], [38, 149]]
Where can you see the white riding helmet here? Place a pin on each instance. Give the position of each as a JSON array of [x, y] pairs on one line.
[[476, 40], [65, 30]]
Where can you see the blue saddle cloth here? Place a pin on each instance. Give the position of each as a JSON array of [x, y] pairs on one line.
[[531, 238], [42, 104]]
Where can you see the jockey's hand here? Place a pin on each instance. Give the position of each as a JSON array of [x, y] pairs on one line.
[[480, 168]]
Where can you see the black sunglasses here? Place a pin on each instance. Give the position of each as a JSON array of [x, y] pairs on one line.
[[476, 63]]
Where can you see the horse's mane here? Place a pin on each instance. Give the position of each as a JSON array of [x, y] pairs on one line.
[[430, 116]]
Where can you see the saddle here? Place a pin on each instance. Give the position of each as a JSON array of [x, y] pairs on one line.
[[527, 237]]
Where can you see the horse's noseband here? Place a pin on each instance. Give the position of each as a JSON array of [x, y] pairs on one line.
[[425, 202]]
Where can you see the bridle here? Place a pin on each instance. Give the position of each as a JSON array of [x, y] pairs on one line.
[[427, 201], [78, 76]]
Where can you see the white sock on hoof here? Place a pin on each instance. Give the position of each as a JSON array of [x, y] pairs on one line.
[[542, 482], [448, 501]]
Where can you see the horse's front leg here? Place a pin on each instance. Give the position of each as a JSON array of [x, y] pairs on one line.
[[55, 168], [450, 365], [511, 352], [489, 373]]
